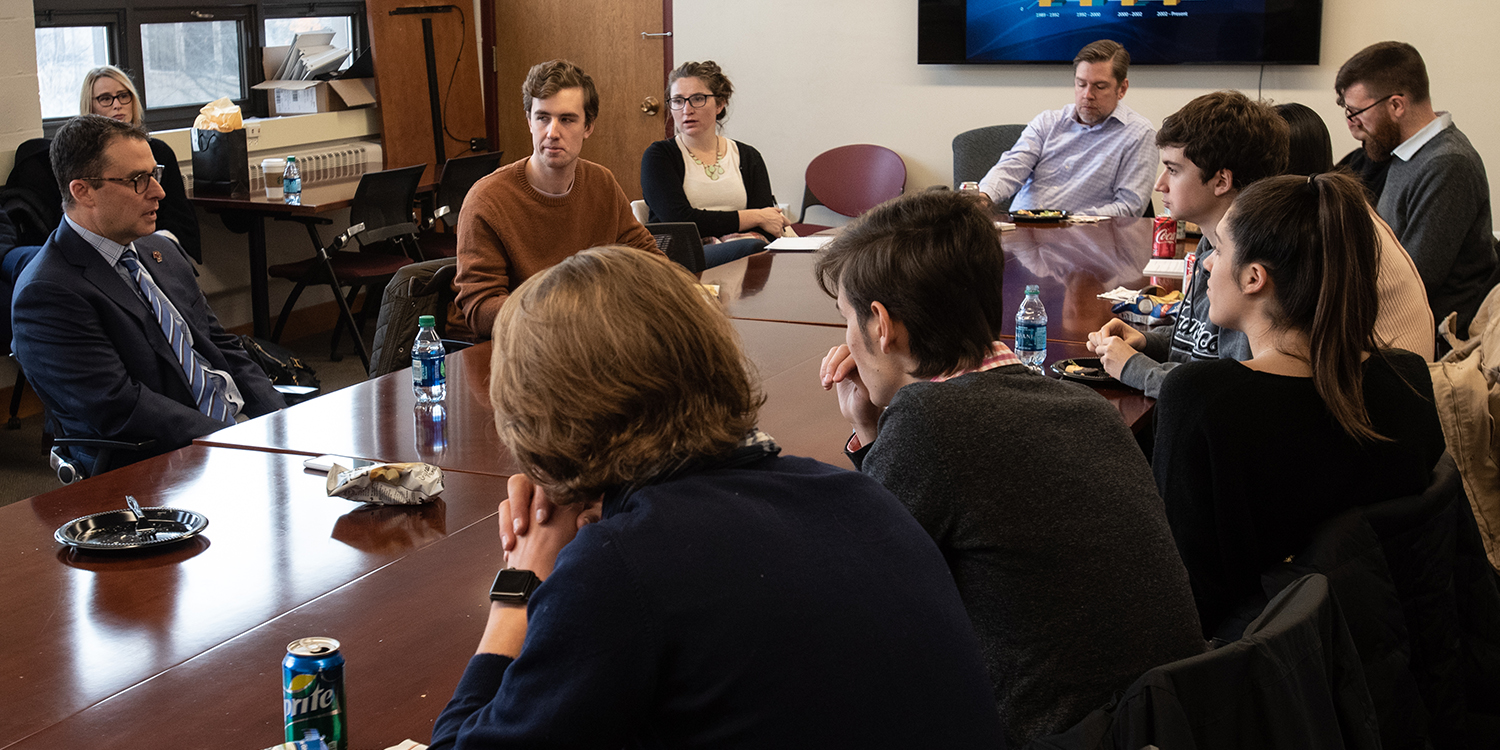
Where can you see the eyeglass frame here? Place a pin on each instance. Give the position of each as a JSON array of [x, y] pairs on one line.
[[108, 100], [1350, 116], [134, 182], [679, 103]]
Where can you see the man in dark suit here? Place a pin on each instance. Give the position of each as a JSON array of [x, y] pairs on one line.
[[109, 323]]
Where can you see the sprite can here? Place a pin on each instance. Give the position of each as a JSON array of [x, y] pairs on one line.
[[312, 692]]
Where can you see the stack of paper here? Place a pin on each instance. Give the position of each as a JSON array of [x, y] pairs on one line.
[[1166, 268], [310, 56]]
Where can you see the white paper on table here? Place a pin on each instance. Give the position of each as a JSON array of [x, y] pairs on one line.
[[1087, 219], [800, 243], [1119, 294], [1005, 226], [1171, 268]]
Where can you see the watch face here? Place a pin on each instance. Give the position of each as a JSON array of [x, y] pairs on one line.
[[513, 585]]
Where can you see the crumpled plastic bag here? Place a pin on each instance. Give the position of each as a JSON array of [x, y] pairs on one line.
[[222, 115], [386, 484], [1150, 309]]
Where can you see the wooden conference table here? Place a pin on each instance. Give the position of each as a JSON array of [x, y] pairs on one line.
[[318, 197], [181, 647]]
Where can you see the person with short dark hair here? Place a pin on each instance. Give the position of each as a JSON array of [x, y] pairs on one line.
[[108, 91], [110, 324], [528, 215], [1212, 148], [1436, 195], [1033, 488], [1251, 456], [1094, 156], [697, 589], [700, 176]]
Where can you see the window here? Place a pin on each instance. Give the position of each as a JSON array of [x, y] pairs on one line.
[[63, 55], [180, 53], [190, 63]]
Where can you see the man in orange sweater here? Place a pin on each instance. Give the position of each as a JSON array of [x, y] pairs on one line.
[[529, 215]]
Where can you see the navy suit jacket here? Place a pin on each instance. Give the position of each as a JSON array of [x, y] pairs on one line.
[[91, 347]]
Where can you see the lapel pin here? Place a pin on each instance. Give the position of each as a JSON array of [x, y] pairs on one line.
[[156, 256]]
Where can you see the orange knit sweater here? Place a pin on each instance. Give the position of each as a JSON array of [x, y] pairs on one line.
[[509, 232]]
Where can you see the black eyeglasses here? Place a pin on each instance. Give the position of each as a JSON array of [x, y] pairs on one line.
[[106, 100], [138, 183], [1351, 114], [697, 100]]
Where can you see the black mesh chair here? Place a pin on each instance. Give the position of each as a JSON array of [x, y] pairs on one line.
[[459, 174], [976, 151], [381, 221], [680, 241]]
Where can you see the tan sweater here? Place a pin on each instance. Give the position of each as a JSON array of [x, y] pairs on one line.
[[1405, 318], [509, 232]]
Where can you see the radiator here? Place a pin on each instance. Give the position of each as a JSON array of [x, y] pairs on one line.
[[318, 162]]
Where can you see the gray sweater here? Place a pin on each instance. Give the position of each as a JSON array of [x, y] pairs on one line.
[[1047, 513], [1438, 204], [1193, 338]]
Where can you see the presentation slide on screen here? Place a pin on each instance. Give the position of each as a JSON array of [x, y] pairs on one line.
[[1154, 31]]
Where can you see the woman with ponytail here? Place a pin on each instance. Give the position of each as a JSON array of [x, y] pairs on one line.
[[1252, 456]]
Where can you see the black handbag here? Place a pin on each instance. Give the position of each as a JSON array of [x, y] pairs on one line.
[[221, 162], [281, 365]]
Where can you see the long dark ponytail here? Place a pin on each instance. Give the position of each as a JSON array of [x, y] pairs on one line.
[[1316, 238]]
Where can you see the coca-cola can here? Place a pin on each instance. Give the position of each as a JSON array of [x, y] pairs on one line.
[[1165, 243]]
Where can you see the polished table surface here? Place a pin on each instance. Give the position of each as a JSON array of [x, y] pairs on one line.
[[80, 628], [379, 420], [1071, 263]]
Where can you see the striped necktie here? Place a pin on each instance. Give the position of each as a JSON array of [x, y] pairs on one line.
[[207, 391]]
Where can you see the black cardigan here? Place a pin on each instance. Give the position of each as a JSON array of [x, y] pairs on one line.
[[662, 173], [174, 213]]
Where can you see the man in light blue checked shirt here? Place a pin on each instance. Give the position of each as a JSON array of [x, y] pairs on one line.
[[1095, 156]]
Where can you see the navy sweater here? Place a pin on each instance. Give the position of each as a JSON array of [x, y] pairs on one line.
[[781, 604]]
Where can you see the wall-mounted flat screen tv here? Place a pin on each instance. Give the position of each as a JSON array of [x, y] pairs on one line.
[[1156, 32]]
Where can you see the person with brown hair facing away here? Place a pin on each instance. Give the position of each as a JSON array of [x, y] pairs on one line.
[[697, 589], [528, 215], [1251, 456], [1033, 488], [702, 177]]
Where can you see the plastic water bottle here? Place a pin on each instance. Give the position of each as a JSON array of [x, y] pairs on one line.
[[429, 363], [291, 182], [1031, 329]]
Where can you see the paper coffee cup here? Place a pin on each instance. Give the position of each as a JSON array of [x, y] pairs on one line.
[[273, 168]]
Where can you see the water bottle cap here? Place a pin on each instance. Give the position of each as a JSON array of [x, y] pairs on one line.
[[1033, 289], [426, 321]]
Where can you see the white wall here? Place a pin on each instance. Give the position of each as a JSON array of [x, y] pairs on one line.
[[21, 115], [810, 76]]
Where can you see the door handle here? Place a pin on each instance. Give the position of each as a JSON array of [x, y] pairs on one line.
[[651, 106], [645, 34]]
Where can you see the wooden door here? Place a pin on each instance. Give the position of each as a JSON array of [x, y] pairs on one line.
[[604, 38]]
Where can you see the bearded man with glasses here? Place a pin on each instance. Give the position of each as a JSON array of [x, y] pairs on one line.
[[1436, 196], [109, 323]]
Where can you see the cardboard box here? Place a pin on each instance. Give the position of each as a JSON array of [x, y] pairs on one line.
[[308, 97]]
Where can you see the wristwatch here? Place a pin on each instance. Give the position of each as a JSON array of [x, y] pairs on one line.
[[513, 586]]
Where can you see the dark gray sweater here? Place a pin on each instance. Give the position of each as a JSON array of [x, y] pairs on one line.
[[1438, 204], [1193, 338], [1047, 513]]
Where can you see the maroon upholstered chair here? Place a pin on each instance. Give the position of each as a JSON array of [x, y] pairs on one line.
[[850, 180]]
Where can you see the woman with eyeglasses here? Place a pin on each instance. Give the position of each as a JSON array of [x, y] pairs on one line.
[[108, 91], [702, 177], [1251, 457]]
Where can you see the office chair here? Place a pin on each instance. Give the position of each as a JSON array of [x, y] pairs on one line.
[[459, 176], [381, 221], [680, 241], [976, 151], [850, 180], [419, 289]]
